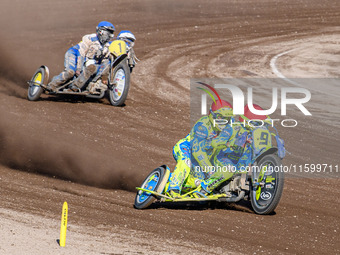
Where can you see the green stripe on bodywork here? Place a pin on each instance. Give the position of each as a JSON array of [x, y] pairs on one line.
[[258, 192]]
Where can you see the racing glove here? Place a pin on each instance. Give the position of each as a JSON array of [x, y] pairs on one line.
[[103, 52]]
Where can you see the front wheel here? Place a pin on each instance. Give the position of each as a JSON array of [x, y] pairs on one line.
[[34, 89], [120, 77], [155, 181], [266, 194]]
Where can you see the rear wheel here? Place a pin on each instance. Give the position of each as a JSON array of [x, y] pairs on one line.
[[120, 77], [34, 89], [155, 181], [266, 195]]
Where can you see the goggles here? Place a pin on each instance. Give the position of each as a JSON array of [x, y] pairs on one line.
[[219, 116]]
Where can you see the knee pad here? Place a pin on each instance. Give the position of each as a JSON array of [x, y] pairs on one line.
[[91, 69], [69, 74]]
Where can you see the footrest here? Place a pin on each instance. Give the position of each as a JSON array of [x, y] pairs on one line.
[[155, 193]]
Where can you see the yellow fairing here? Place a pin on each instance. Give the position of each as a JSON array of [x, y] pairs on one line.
[[117, 48]]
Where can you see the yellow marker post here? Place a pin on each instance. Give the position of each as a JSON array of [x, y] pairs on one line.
[[63, 226]]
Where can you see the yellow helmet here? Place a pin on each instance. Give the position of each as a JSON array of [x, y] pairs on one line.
[[220, 110]]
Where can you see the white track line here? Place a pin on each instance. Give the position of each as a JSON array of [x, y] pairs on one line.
[[280, 75], [277, 72]]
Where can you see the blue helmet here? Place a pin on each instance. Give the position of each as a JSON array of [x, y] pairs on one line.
[[105, 31]]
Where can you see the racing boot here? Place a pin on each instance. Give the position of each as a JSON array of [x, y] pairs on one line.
[[216, 179], [83, 77], [174, 187], [207, 186], [60, 79], [175, 193], [96, 87], [52, 87]]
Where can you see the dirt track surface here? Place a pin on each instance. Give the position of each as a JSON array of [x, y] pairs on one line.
[[92, 155]]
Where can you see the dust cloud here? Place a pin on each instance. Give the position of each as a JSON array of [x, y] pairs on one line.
[[22, 150]]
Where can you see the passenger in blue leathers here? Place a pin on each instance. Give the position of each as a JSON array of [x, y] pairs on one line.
[[128, 37]]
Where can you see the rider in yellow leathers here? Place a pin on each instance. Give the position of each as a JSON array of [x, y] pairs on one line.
[[196, 153], [212, 153]]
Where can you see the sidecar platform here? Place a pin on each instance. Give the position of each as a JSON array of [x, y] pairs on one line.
[[164, 198]]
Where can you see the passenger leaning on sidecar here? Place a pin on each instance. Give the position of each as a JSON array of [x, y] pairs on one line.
[[129, 38], [93, 49]]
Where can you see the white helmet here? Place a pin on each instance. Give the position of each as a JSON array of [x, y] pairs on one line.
[[127, 37]]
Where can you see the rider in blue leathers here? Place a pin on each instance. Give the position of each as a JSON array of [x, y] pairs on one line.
[[93, 49], [73, 64]]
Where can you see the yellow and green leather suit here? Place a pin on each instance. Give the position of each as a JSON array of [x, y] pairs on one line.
[[204, 147]]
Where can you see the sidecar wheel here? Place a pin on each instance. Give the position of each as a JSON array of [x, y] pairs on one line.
[[155, 181], [34, 89], [265, 199]]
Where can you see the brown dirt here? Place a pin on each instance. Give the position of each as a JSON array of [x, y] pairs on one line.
[[92, 155]]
